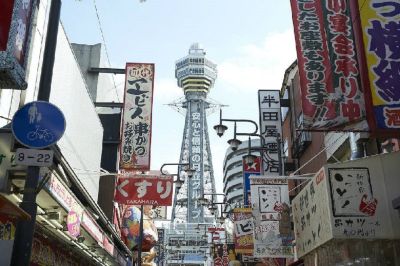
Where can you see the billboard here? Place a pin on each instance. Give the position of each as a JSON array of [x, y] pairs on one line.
[[331, 94], [15, 32], [378, 20], [136, 122], [133, 189], [253, 169], [243, 230], [351, 200], [272, 226], [271, 130]]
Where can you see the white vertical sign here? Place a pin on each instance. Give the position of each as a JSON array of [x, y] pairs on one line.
[[271, 130], [136, 122]]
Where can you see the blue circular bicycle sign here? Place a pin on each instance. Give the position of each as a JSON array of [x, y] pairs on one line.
[[38, 124]]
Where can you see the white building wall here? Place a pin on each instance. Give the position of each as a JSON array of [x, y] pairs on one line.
[[82, 142]]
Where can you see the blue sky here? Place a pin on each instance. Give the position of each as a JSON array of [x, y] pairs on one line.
[[251, 41]]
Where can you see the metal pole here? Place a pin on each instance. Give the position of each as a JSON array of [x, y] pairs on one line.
[[50, 50], [140, 237], [25, 229]]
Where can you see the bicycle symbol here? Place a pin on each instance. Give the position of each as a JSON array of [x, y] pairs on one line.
[[41, 134]]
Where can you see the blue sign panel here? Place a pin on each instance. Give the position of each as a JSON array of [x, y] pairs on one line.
[[38, 124]]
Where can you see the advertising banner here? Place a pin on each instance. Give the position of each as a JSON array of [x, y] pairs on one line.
[[380, 34], [136, 122], [271, 129], [216, 235], [243, 231], [272, 227], [351, 200], [223, 254], [332, 98], [253, 169], [133, 189]]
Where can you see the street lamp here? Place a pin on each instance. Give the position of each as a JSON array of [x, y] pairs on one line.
[[186, 168], [234, 143]]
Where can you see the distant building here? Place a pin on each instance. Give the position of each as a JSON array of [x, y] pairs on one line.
[[233, 173]]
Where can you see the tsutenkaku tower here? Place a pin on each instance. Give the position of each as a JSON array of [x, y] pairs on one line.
[[195, 75]]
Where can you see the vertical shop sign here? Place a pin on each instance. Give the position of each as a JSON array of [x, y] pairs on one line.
[[271, 130], [380, 28], [136, 122], [243, 222], [253, 169], [332, 98], [272, 228]]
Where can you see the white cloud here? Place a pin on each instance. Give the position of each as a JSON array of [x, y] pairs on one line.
[[260, 66], [166, 90]]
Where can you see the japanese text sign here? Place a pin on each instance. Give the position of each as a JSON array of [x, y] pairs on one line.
[[196, 146], [380, 27], [253, 169], [243, 222], [272, 227], [350, 200], [332, 98], [144, 190], [271, 130], [136, 122]]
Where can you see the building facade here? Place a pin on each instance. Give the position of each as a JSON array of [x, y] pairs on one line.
[[70, 226]]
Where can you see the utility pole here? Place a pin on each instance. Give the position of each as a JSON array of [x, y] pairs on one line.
[[25, 229]]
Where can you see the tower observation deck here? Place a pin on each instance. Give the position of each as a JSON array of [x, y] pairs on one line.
[[196, 75]]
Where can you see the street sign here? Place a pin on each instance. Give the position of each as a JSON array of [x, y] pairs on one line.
[[38, 124], [32, 157]]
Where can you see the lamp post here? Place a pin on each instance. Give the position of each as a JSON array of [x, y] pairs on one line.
[[186, 167], [234, 143]]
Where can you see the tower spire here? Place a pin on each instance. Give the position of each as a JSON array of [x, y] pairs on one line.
[[196, 75]]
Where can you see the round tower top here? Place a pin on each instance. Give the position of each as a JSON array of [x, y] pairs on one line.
[[195, 72]]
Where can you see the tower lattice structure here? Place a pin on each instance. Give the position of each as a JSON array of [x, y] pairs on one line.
[[196, 75]]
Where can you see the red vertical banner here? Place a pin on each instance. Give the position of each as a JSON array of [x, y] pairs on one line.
[[137, 114], [332, 98], [6, 9], [15, 31]]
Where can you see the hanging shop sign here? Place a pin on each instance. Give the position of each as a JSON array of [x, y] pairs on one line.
[[253, 169], [243, 230], [349, 200], [133, 189], [74, 223], [136, 122], [379, 20], [216, 235], [272, 228], [332, 98], [223, 254], [271, 130], [15, 31]]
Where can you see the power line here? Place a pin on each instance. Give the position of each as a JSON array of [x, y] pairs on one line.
[[105, 46]]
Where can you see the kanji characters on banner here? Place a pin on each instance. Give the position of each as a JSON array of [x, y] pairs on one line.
[[380, 35], [272, 228], [136, 123], [243, 230], [332, 98]]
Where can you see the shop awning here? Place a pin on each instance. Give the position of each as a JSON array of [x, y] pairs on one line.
[[9, 208]]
